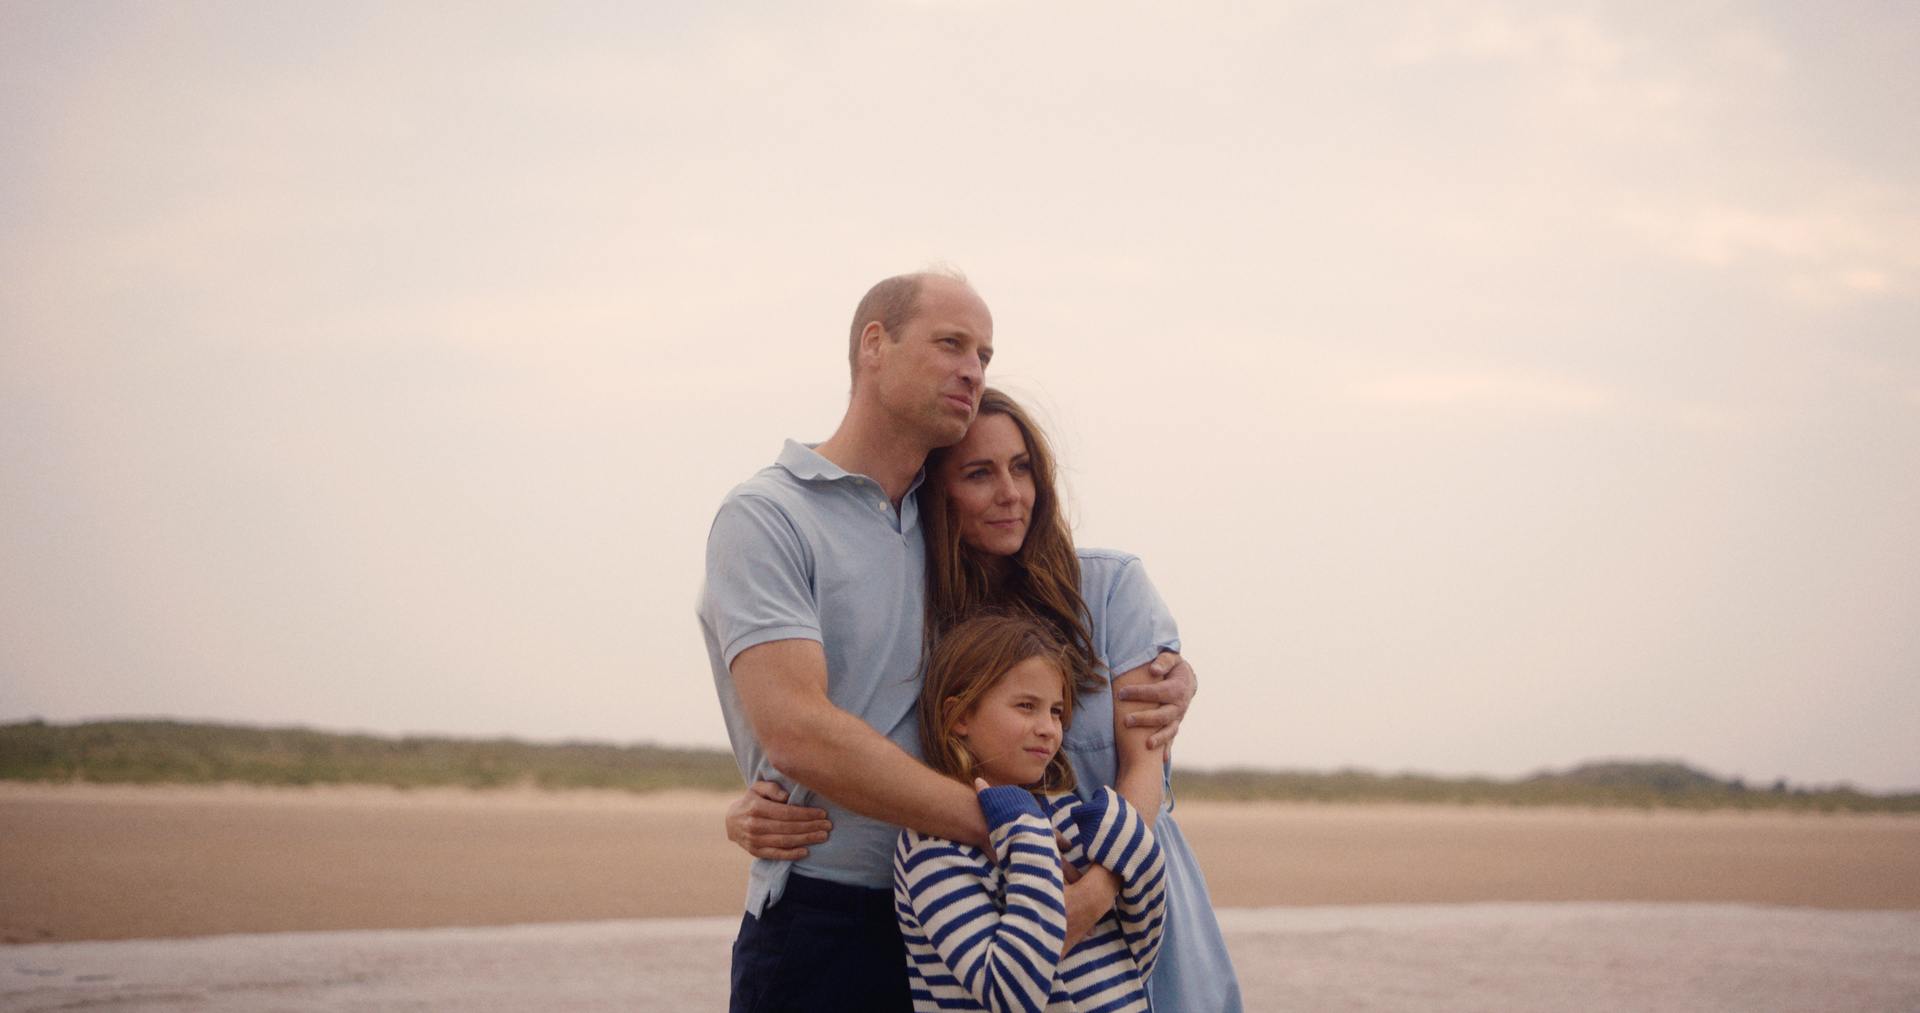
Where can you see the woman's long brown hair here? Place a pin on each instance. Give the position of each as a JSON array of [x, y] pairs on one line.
[[1043, 578], [965, 664]]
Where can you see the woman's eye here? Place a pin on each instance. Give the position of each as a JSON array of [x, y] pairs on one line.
[[1022, 467]]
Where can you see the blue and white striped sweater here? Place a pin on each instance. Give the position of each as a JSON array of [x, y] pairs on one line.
[[982, 935]]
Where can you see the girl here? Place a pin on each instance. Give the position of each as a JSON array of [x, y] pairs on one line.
[[985, 932]]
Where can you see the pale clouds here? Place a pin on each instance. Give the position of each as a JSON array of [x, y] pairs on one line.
[[1491, 32], [1494, 390], [1659, 108], [1858, 244], [1487, 385]]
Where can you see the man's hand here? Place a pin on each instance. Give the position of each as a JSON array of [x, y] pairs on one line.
[[1173, 689], [765, 826]]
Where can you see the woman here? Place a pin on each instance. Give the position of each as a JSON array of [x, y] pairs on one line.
[[996, 538]]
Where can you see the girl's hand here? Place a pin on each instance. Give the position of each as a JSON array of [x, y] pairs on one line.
[[980, 784]]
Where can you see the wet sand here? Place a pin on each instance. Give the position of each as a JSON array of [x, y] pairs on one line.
[[1551, 958], [97, 863]]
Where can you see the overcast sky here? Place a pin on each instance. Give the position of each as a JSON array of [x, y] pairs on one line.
[[1487, 386]]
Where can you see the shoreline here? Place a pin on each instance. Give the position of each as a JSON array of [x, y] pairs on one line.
[[87, 861]]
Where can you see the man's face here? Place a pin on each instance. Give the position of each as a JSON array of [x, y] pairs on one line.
[[930, 378]]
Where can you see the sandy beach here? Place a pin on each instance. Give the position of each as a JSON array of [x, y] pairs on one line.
[[105, 862], [1544, 958], [360, 898]]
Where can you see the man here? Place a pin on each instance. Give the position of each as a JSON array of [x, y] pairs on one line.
[[812, 614]]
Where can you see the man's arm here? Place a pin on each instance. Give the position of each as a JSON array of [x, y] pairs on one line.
[[783, 689], [764, 826], [1152, 699]]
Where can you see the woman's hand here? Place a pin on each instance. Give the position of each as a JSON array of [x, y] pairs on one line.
[[1172, 690], [1090, 895], [764, 826]]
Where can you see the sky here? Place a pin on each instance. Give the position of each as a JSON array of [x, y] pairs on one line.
[[1488, 387]]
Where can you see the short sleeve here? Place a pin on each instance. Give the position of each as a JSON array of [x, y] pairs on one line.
[[1137, 624], [759, 585]]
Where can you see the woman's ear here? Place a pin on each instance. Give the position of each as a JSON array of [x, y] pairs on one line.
[[958, 724]]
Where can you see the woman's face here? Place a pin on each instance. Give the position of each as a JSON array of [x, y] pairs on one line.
[[989, 479]]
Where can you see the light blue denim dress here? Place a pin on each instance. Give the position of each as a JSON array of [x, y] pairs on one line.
[[1130, 625]]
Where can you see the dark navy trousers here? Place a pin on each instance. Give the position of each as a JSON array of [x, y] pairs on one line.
[[822, 946]]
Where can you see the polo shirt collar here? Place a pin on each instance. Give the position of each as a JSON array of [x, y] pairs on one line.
[[804, 463]]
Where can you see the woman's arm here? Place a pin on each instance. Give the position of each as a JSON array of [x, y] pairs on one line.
[[1168, 694], [1141, 766], [765, 826], [1117, 836], [1141, 779], [1005, 959]]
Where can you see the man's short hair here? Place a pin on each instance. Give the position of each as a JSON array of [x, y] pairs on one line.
[[893, 303]]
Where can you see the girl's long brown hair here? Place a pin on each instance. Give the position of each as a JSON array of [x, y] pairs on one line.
[[966, 663], [1043, 578]]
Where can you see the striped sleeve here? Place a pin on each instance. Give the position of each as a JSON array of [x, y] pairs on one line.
[[1005, 958], [1115, 836]]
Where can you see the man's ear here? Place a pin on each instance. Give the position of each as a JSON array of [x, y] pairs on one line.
[[959, 725], [872, 337]]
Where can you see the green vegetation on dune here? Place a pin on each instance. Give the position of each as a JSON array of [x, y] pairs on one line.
[[174, 752], [1641, 784]]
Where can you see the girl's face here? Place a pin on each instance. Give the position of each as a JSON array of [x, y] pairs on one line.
[[1014, 730], [989, 479]]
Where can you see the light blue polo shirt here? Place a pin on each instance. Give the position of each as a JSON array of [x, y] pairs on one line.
[[805, 550]]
